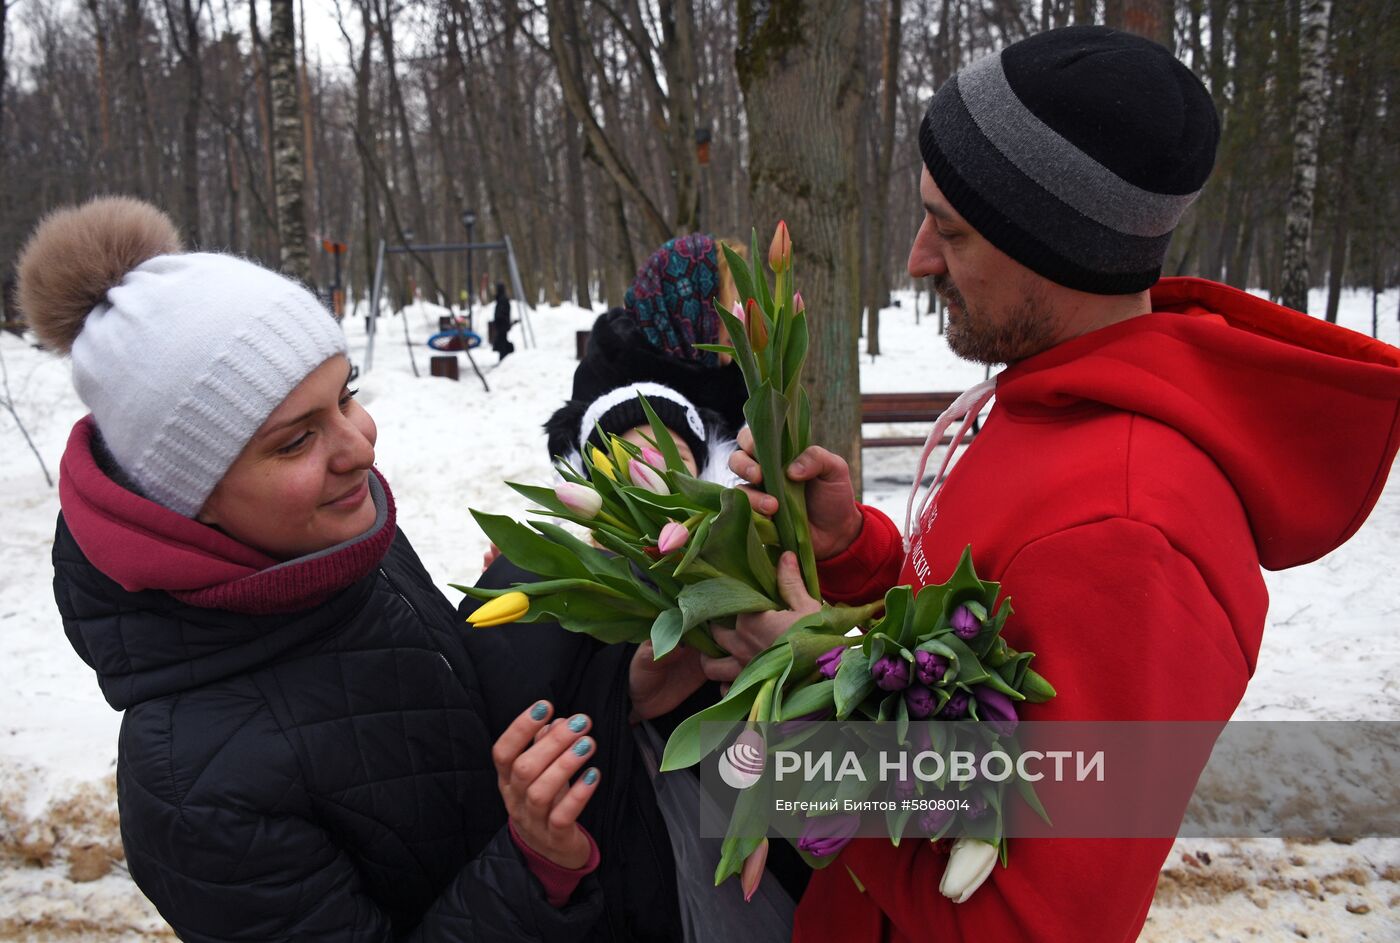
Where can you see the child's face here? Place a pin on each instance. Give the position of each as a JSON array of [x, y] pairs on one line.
[[641, 436], [301, 484]]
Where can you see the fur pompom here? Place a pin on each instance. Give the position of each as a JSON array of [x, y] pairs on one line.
[[76, 254]]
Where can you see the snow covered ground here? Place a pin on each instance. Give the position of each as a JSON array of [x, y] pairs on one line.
[[1331, 650]]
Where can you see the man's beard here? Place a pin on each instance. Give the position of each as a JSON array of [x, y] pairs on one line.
[[1026, 330]]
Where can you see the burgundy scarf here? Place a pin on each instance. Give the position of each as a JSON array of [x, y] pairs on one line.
[[142, 545]]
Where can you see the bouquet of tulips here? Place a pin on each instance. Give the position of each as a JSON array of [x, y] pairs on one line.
[[673, 553], [934, 665]]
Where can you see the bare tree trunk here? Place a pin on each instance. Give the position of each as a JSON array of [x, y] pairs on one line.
[[265, 125], [606, 151], [678, 54], [104, 111], [1307, 121], [287, 135], [799, 68], [189, 52], [878, 290]]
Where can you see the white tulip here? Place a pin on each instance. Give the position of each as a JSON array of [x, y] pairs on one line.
[[969, 864]]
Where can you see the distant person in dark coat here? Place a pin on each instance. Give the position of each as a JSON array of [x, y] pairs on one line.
[[501, 322], [307, 747]]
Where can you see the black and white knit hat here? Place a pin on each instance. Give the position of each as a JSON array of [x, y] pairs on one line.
[[615, 411], [1075, 152]]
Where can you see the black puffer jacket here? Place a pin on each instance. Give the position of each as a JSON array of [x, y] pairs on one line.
[[319, 776]]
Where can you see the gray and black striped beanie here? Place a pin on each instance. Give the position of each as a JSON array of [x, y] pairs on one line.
[[1075, 152]]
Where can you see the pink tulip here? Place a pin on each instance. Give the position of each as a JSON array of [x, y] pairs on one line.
[[581, 499], [753, 870], [780, 249], [738, 311], [653, 458], [673, 537], [646, 477], [798, 305]]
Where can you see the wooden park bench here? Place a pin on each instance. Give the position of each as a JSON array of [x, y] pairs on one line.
[[902, 407]]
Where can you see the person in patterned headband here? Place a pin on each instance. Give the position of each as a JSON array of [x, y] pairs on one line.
[[652, 337]]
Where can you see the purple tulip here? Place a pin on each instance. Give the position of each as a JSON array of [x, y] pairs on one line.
[[825, 836], [920, 701], [976, 807], [956, 708], [891, 673], [929, 667], [904, 788], [829, 662], [965, 624], [934, 819], [996, 710], [789, 728]]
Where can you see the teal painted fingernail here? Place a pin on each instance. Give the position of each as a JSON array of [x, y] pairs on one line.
[[583, 746], [590, 777], [577, 723], [539, 710]]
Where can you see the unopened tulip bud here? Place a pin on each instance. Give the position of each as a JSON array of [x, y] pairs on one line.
[[504, 608], [969, 864], [738, 311], [965, 624], [780, 249], [753, 870], [996, 710], [920, 701], [891, 673], [829, 662], [653, 457], [827, 835], [757, 326], [930, 667], [603, 463], [581, 499], [798, 305], [956, 708], [673, 537], [646, 477]]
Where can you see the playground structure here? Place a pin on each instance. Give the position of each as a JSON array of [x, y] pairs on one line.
[[461, 328]]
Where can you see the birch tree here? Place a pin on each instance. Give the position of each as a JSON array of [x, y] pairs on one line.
[[287, 136], [1307, 121]]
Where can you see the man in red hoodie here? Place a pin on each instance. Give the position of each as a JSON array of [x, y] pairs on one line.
[[1152, 444]]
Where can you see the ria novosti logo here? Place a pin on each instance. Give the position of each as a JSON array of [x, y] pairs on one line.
[[741, 765]]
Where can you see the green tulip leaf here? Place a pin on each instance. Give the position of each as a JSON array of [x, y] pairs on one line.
[[666, 632], [528, 549], [722, 596]]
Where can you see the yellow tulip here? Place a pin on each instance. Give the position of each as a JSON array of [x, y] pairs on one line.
[[499, 611], [602, 463]]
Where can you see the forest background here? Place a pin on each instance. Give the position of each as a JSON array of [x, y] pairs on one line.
[[590, 131]]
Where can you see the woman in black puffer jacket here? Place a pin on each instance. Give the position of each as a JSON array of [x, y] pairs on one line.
[[305, 752]]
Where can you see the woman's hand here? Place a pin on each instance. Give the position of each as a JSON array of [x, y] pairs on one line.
[[755, 631], [533, 769], [832, 512], [658, 687]]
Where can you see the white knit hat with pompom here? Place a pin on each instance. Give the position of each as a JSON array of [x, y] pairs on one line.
[[180, 356]]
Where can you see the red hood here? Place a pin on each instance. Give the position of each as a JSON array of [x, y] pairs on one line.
[[1302, 416]]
